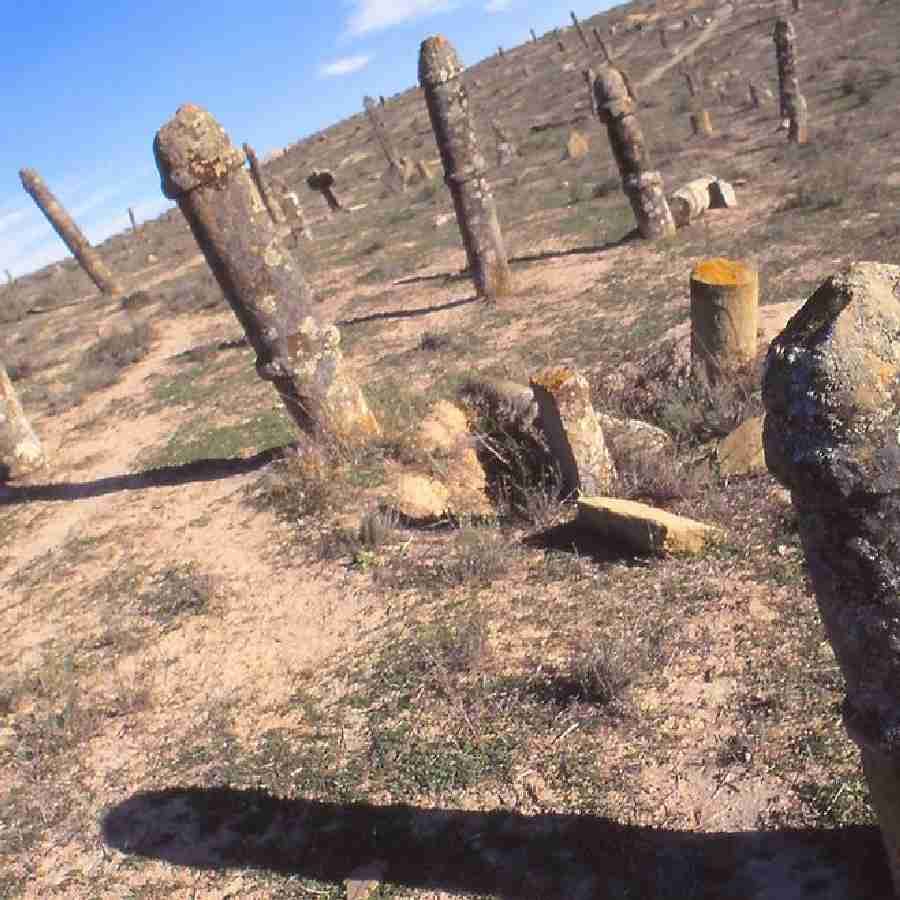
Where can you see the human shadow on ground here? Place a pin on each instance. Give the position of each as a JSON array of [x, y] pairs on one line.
[[527, 258], [165, 476], [502, 853]]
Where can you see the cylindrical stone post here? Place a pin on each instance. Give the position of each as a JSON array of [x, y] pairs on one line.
[[464, 166], [265, 191], [21, 452], [293, 213], [71, 234], [663, 37], [724, 317], [753, 96], [642, 184], [580, 31], [602, 45], [796, 6], [792, 103], [701, 123], [832, 421], [533, 36], [384, 141], [203, 171], [133, 220]]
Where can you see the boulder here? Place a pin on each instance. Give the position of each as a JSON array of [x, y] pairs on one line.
[[567, 418], [647, 530], [631, 437], [741, 453]]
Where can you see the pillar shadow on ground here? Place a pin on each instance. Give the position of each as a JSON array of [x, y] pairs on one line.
[[406, 313], [501, 854], [526, 259], [165, 476]]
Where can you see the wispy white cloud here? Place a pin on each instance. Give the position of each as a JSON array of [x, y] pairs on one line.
[[344, 66], [495, 6], [375, 15]]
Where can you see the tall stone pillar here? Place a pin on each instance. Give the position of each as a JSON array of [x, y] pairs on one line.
[[580, 31], [831, 436], [396, 177], [71, 234], [643, 185], [20, 450], [203, 171], [464, 166], [793, 103], [264, 188]]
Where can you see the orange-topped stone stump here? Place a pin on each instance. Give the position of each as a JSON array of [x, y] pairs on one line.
[[724, 316]]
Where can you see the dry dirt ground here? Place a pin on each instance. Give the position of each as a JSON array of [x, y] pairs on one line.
[[223, 674]]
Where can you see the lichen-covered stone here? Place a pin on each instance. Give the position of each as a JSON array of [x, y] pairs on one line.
[[464, 166], [741, 452], [21, 452], [569, 422], [645, 529]]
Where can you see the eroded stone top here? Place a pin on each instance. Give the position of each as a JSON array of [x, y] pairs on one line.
[[191, 150], [832, 390], [721, 271], [438, 61], [612, 96]]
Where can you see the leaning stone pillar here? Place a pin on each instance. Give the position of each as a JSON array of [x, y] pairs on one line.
[[724, 317], [464, 166], [395, 172], [20, 450], [205, 174], [792, 102], [580, 31], [71, 234], [832, 421], [265, 190], [643, 185], [323, 182]]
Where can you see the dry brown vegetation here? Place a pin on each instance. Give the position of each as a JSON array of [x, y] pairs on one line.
[[228, 672]]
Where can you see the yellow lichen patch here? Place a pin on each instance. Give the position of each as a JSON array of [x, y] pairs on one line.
[[722, 271]]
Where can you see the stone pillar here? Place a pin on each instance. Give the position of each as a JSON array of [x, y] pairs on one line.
[[71, 234], [205, 174], [642, 184], [724, 316], [9, 278], [663, 37], [506, 148], [265, 191], [580, 31], [20, 450], [533, 36], [323, 182], [396, 178], [134, 225], [796, 6], [753, 96], [500, 52], [792, 102], [832, 420], [293, 214], [464, 166], [701, 124], [602, 45]]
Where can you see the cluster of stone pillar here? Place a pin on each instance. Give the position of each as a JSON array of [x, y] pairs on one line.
[[642, 184], [453, 124], [793, 106], [204, 173]]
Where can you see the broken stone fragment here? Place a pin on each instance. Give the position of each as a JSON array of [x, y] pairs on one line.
[[577, 146], [645, 529], [741, 453], [628, 438], [570, 425]]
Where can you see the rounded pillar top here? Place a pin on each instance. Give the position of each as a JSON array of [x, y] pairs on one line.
[[784, 29], [29, 176], [725, 272], [611, 94], [832, 390], [438, 61], [191, 150]]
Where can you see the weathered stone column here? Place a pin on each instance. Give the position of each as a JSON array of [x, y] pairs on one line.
[[792, 102], [831, 436], [753, 96], [20, 450], [580, 31], [396, 178], [265, 190], [293, 214], [533, 36], [71, 234], [663, 37], [205, 174], [642, 185], [131, 218], [701, 124], [724, 316], [464, 166]]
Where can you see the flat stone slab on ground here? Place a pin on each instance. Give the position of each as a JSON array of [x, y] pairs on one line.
[[646, 529]]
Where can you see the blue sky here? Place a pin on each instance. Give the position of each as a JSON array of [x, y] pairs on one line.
[[85, 85]]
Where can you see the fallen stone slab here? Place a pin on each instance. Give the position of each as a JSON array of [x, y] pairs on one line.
[[647, 530]]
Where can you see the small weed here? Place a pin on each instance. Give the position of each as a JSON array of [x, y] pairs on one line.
[[433, 341], [175, 593]]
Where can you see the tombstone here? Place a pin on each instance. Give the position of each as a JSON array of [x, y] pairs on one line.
[[70, 233], [642, 185], [753, 96], [580, 31], [204, 172], [506, 148], [452, 120], [792, 103], [293, 214], [323, 182], [603, 48], [832, 419], [533, 36], [724, 317], [395, 176], [21, 452], [271, 203]]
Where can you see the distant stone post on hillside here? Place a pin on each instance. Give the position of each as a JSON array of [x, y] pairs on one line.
[[793, 103], [701, 124], [663, 36], [204, 172], [21, 452], [323, 183], [580, 31], [753, 96], [601, 44], [71, 234], [273, 206], [832, 420], [559, 41], [724, 317], [133, 220], [533, 36], [642, 184], [453, 122], [396, 177]]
